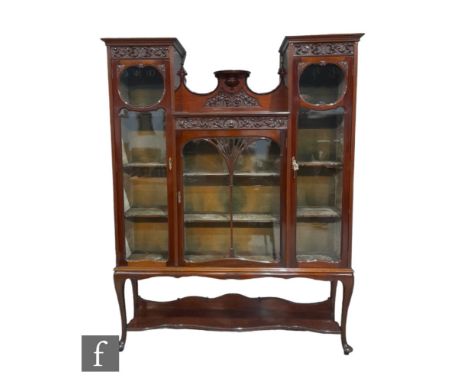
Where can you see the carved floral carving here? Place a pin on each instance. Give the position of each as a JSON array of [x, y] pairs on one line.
[[223, 99], [253, 122], [139, 52], [324, 49]]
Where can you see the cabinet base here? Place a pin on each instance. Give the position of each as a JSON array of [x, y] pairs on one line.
[[234, 312]]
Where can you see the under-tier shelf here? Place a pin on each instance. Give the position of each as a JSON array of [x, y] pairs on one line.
[[234, 312], [237, 218], [146, 213]]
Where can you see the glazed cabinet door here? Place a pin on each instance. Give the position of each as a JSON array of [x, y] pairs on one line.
[[230, 190], [141, 128], [319, 159]]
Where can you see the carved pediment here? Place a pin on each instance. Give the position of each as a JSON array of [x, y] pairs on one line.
[[224, 99]]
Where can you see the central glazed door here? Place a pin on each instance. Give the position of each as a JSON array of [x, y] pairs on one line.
[[230, 190]]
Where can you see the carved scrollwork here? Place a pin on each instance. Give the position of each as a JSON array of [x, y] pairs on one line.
[[253, 122], [231, 148], [240, 99], [139, 52], [324, 49], [162, 69]]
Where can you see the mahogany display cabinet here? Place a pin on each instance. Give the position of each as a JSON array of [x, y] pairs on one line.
[[233, 184]]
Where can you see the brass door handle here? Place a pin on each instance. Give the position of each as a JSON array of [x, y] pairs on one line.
[[295, 166]]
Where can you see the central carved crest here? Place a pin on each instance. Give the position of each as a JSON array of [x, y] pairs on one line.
[[223, 99]]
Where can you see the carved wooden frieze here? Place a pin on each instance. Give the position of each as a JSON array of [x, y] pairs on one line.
[[240, 99], [250, 122], [139, 52], [324, 49]]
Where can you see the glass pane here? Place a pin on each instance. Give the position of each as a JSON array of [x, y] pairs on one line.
[[141, 86], [146, 239], [143, 136], [232, 199], [256, 202], [145, 184], [320, 135], [319, 184], [322, 83], [318, 241], [206, 202]]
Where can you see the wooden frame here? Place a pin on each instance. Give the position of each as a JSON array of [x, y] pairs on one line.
[[232, 109]]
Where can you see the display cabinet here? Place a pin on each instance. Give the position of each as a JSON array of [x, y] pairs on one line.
[[232, 183]]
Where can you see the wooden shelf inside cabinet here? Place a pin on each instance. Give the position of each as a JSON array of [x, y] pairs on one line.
[[144, 165], [145, 169], [305, 257], [240, 178], [199, 257], [236, 218], [233, 184], [328, 213], [146, 213], [235, 174], [320, 164], [147, 256]]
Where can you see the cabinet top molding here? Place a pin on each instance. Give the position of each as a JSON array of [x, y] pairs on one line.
[[147, 42], [324, 38]]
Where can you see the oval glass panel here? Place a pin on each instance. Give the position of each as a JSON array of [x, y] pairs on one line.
[[141, 86], [322, 84]]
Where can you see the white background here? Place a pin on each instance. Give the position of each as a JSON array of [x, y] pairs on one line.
[[408, 315]]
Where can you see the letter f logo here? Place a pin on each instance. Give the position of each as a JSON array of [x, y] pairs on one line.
[[98, 352]]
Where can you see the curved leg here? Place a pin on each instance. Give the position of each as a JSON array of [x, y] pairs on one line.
[[119, 283], [348, 284], [333, 285], [135, 294]]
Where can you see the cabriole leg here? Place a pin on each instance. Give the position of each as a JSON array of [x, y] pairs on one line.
[[135, 294], [348, 284], [119, 283], [333, 285]]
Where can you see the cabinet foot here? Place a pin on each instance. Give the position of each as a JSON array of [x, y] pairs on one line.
[[122, 345], [347, 349]]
